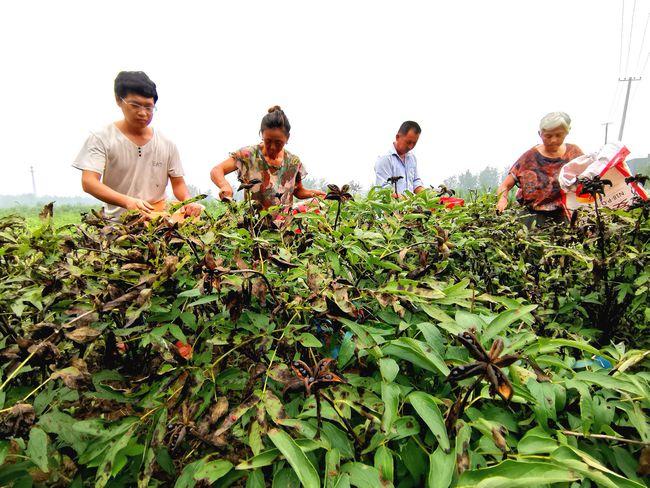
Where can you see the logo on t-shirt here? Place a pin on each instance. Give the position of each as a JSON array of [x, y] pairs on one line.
[[156, 164]]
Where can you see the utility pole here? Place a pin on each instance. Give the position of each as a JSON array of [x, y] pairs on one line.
[[627, 98], [31, 170], [606, 124]]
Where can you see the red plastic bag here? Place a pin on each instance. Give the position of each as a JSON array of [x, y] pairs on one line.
[[451, 202]]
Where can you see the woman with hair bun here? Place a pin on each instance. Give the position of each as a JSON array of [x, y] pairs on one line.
[[279, 172], [536, 172]]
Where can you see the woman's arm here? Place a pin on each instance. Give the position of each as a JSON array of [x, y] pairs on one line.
[[301, 192], [92, 184], [218, 177], [503, 191]]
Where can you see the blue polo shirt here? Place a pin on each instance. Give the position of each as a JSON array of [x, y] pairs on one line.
[[391, 164]]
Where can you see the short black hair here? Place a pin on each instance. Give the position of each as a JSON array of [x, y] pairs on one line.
[[136, 82], [275, 119], [409, 125]]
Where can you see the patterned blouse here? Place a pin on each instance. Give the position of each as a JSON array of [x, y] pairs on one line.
[[277, 184], [537, 178]]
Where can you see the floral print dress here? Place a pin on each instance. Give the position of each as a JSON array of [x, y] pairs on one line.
[[537, 178], [277, 183]]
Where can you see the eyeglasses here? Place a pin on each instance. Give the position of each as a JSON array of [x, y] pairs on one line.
[[137, 107]]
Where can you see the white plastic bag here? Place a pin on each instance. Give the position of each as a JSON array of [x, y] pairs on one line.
[[608, 163]]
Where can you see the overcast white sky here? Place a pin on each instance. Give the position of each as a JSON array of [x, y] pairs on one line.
[[477, 75]]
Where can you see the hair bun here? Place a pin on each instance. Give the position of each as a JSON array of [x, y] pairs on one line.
[[275, 108]]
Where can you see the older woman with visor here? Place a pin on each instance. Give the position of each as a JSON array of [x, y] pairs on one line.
[[536, 173]]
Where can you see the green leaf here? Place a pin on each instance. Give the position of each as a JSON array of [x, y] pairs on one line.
[[388, 368], [211, 471], [274, 406], [390, 393], [504, 319], [105, 469], [536, 441], [346, 351], [433, 337], [202, 470], [384, 464], [441, 469], [338, 438], [544, 345], [544, 407], [332, 467], [303, 468], [37, 448], [621, 382], [264, 458], [194, 292], [591, 468], [361, 475], [61, 424], [309, 340], [255, 479], [4, 450], [285, 478], [204, 300], [418, 353], [467, 320], [517, 474], [176, 331], [426, 407], [365, 340], [436, 313]]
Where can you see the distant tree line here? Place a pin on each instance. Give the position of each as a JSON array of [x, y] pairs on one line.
[[487, 180]]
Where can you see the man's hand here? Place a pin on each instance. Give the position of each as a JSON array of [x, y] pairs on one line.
[[138, 204], [226, 193], [192, 209], [502, 204]]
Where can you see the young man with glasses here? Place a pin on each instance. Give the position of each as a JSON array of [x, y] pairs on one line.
[[127, 164]]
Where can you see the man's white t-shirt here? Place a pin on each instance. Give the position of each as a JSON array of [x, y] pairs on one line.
[[136, 171]]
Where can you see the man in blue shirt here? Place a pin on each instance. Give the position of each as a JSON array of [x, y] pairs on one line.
[[400, 161]]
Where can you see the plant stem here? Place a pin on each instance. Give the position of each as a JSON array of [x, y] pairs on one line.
[[607, 437], [338, 213]]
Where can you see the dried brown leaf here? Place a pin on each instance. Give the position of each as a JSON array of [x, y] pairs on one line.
[[83, 335]]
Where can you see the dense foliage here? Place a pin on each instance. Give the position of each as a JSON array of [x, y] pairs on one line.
[[348, 343]]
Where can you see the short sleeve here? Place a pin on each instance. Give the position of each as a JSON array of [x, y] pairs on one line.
[[242, 158], [574, 152], [92, 156], [515, 170], [382, 171], [301, 171], [174, 166]]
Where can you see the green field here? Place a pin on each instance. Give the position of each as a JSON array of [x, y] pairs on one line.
[[63, 215]]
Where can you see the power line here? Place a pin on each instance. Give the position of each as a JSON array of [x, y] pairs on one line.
[[615, 99], [629, 43], [638, 58], [645, 65], [620, 46], [641, 74]]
